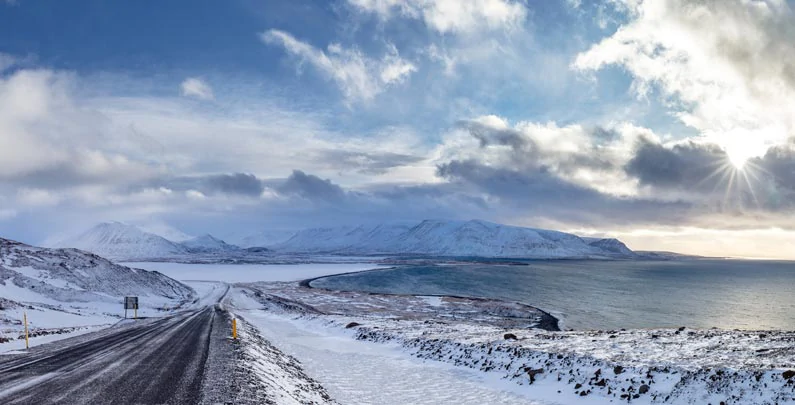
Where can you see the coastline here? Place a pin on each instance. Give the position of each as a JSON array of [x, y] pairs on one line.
[[548, 321]]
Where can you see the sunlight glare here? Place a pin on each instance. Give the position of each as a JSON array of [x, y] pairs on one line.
[[740, 152]]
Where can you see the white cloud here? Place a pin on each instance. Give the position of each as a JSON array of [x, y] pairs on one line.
[[726, 67], [198, 88], [589, 157], [46, 135], [450, 16], [66, 142], [359, 77]]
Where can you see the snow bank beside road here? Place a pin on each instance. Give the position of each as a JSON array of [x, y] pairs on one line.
[[264, 374]]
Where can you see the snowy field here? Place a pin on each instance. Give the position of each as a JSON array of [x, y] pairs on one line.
[[246, 273]]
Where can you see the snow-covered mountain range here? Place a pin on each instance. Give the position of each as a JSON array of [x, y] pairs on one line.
[[64, 284], [473, 238]]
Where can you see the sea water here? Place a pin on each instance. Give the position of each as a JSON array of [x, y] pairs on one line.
[[590, 294]]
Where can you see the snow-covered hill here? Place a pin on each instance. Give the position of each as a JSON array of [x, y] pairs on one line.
[[208, 244], [119, 241], [72, 287], [451, 238]]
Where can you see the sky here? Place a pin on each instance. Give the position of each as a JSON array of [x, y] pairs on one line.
[[665, 123]]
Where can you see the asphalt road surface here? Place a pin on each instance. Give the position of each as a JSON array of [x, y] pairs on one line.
[[158, 361]]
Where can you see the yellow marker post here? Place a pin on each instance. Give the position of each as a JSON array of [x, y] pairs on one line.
[[25, 318], [234, 328]]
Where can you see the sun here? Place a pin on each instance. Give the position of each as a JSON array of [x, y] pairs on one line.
[[738, 158], [743, 145], [739, 153]]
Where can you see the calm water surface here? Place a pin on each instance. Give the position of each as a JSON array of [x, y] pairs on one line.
[[726, 294]]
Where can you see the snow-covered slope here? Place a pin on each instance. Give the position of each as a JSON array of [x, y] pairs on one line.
[[611, 245], [72, 287], [264, 238], [450, 238], [208, 244], [119, 241]]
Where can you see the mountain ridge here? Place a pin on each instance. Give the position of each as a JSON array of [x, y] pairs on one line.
[[476, 238], [443, 238]]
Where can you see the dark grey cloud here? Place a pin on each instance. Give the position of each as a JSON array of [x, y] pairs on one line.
[[311, 187], [684, 166], [779, 164], [489, 135], [703, 171], [237, 183], [542, 193], [225, 183]]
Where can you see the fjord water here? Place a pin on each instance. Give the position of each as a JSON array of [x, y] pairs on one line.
[[728, 294]]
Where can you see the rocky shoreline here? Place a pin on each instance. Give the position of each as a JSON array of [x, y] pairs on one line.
[[545, 320]]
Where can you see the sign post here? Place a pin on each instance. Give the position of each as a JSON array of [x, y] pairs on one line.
[[25, 318], [131, 303]]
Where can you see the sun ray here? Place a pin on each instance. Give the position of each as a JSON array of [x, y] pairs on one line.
[[724, 171], [726, 200], [720, 169], [744, 174]]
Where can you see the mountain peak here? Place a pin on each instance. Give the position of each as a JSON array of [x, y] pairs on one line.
[[117, 240]]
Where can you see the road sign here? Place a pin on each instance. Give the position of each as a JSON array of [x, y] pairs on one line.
[[130, 302]]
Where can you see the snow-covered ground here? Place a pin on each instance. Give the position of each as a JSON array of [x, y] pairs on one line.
[[359, 372], [333, 335]]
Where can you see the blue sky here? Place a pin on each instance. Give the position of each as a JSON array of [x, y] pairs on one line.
[[651, 121]]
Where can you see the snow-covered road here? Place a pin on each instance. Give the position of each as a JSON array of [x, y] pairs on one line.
[[358, 372]]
